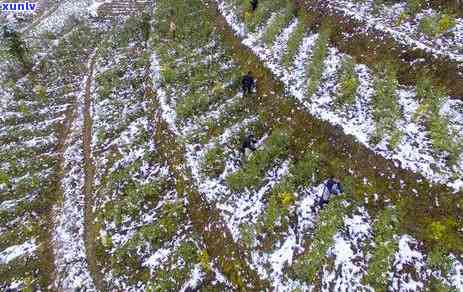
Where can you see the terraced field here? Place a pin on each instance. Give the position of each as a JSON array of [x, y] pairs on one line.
[[120, 166]]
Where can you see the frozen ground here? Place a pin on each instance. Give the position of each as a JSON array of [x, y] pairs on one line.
[[414, 151]]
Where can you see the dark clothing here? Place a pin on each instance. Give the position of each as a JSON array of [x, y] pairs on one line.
[[248, 84], [322, 203], [254, 4], [248, 143], [334, 187]]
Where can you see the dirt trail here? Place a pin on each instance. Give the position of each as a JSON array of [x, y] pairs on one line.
[[341, 154], [90, 230], [207, 220], [65, 130], [54, 193]]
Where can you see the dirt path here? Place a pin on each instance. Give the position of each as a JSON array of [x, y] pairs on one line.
[[207, 221], [90, 230], [64, 133], [342, 155], [54, 194]]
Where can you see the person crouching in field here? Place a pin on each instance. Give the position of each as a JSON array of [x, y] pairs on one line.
[[248, 83], [331, 188]]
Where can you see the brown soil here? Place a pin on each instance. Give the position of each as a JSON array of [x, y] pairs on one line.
[[90, 229]]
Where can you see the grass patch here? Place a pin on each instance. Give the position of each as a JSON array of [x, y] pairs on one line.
[[386, 109], [317, 62], [384, 228], [214, 162], [283, 18], [349, 83], [294, 42]]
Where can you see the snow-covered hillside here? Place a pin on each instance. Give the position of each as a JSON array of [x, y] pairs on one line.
[[120, 163]]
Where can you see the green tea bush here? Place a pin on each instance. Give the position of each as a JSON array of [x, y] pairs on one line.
[[415, 5], [349, 84], [307, 170], [294, 42], [192, 104], [279, 23], [438, 259], [275, 148], [214, 162], [317, 62], [248, 234], [432, 99], [386, 109], [384, 229], [395, 138], [437, 24], [331, 220]]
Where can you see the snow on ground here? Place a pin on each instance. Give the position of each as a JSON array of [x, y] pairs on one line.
[[13, 252], [349, 251], [408, 32], [282, 39], [456, 274], [68, 236], [414, 151], [245, 207], [409, 262], [65, 11]]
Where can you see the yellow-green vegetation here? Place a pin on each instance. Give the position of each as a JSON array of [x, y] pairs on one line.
[[214, 162], [439, 260], [294, 41], [278, 24], [437, 24], [386, 109], [348, 84], [317, 62], [331, 220], [432, 98], [415, 5], [276, 213], [385, 228], [275, 149]]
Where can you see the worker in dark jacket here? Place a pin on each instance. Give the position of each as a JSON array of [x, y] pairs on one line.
[[249, 144], [254, 4], [332, 188], [248, 83]]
